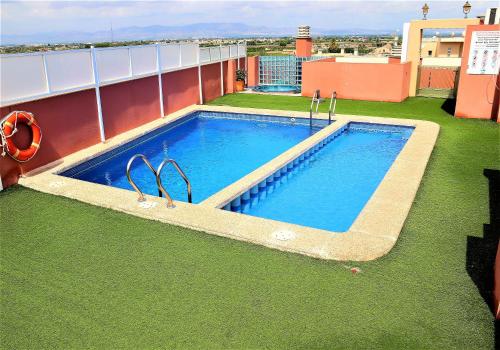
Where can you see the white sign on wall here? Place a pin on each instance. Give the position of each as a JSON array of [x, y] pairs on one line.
[[484, 53]]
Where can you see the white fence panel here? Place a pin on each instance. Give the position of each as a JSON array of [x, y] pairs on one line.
[[113, 64], [225, 52], [214, 54], [204, 54], [243, 50], [22, 76], [233, 51], [67, 70], [169, 55], [189, 54], [143, 59]]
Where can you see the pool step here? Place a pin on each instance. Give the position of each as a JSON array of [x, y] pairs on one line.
[[280, 177]]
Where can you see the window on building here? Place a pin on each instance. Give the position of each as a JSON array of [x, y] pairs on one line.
[[448, 52], [429, 53]]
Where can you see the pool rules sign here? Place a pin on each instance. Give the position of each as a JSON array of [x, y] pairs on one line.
[[484, 54]]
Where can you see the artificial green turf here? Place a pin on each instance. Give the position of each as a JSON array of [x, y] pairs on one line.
[[75, 275]]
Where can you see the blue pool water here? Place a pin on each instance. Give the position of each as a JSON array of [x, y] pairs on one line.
[[277, 88], [330, 188], [213, 149]]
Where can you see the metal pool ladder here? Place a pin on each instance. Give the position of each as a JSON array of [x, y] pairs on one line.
[[315, 100], [333, 101], [157, 173], [181, 173]]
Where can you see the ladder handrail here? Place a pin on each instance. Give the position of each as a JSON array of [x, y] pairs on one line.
[[129, 177], [157, 174], [181, 173], [330, 111], [313, 99], [317, 100]]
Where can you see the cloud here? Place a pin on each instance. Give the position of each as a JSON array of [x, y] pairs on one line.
[[24, 17]]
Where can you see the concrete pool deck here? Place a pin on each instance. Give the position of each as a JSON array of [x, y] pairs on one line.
[[372, 235]]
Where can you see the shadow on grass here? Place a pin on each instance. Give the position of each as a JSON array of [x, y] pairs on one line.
[[481, 252], [449, 106]]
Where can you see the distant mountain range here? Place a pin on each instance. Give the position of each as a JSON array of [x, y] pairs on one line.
[[157, 32]]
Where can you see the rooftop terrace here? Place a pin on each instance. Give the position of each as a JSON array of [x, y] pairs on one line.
[[100, 278]]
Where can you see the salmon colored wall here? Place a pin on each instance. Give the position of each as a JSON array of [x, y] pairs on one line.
[[180, 89], [242, 63], [210, 75], [225, 77], [358, 81], [253, 71], [229, 76], [69, 123], [496, 290], [303, 47], [437, 78], [331, 59], [129, 104], [477, 95]]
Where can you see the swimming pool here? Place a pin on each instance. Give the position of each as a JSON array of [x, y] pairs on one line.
[[213, 149], [270, 196], [328, 187], [277, 88]]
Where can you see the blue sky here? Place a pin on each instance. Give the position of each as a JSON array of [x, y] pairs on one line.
[[27, 17]]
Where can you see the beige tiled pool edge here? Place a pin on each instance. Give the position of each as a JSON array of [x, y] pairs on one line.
[[372, 235]]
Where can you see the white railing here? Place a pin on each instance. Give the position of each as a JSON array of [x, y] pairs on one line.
[[26, 77]]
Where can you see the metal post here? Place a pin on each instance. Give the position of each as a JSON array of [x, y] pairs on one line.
[[160, 87], [130, 72], [180, 55], [97, 93], [238, 53], [46, 72], [246, 65], [221, 71], [199, 75]]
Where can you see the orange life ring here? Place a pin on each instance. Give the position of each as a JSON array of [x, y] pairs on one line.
[[9, 125]]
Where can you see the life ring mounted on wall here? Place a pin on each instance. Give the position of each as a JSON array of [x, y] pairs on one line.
[[9, 128]]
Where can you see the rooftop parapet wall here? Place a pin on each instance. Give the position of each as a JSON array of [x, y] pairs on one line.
[[131, 85], [70, 122], [358, 81]]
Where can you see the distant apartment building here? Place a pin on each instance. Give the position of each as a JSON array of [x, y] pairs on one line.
[[383, 50], [442, 47]]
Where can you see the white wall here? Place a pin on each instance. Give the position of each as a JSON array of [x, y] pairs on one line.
[[362, 59], [442, 61], [404, 44]]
